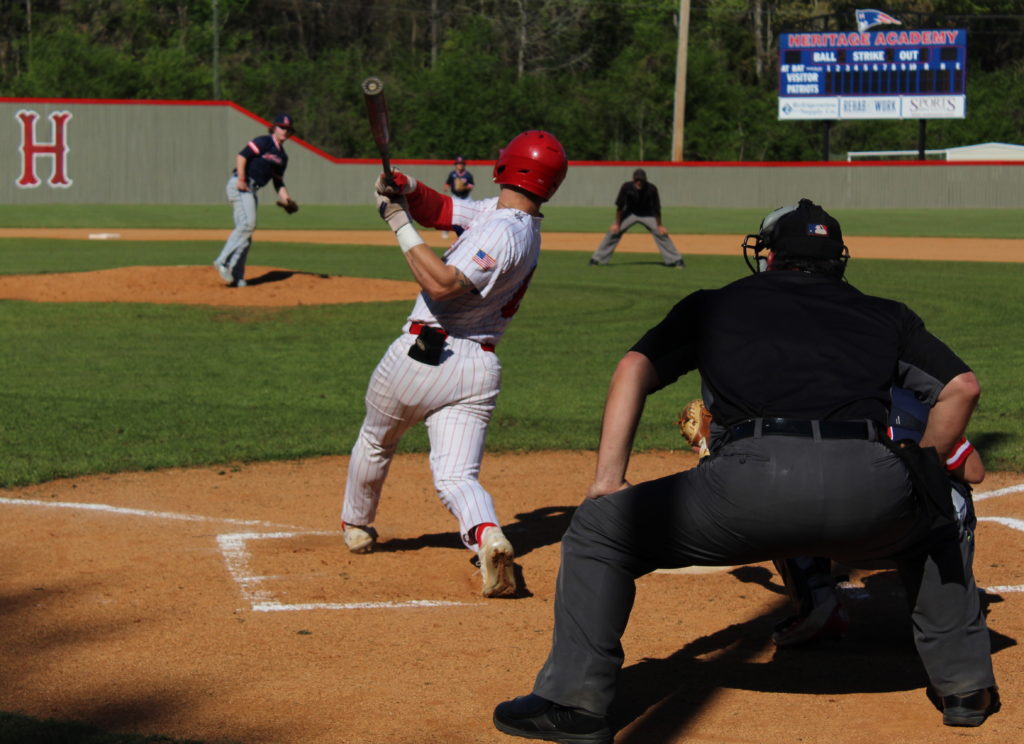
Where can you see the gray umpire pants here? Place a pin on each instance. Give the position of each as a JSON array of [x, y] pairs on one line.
[[952, 651], [610, 242], [236, 248], [757, 499]]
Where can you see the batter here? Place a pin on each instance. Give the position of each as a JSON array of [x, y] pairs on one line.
[[444, 369]]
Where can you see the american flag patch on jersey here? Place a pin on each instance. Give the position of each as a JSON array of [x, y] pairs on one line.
[[821, 230], [484, 261]]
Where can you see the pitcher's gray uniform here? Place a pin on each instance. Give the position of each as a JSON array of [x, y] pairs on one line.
[[261, 161]]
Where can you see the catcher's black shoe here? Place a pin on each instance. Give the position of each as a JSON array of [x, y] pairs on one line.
[[966, 709], [533, 717]]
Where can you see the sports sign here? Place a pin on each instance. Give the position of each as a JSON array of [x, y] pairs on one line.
[[873, 74]]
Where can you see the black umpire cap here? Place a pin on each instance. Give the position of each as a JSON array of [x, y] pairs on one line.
[[803, 230]]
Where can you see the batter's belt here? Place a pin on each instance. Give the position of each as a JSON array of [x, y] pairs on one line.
[[417, 328], [764, 427]]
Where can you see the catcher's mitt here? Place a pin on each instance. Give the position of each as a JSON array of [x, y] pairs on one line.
[[695, 426], [288, 206]]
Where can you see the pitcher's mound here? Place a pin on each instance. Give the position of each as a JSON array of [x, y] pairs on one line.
[[201, 285]]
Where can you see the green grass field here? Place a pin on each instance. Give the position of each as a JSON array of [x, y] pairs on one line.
[[963, 223], [104, 388]]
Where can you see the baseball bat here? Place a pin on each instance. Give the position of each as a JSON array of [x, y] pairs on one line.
[[377, 112]]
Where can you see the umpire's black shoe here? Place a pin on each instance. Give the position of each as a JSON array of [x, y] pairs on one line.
[[533, 717], [966, 709]]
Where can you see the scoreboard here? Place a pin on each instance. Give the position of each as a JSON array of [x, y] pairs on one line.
[[873, 75]]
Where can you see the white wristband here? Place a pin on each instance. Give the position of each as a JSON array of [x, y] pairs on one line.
[[407, 237]]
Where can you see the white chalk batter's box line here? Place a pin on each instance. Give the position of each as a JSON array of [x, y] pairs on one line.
[[234, 547], [143, 513], [236, 556]]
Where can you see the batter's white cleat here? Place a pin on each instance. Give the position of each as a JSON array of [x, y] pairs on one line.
[[360, 539], [496, 556], [223, 271]]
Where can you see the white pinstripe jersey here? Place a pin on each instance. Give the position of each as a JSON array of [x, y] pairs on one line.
[[498, 253]]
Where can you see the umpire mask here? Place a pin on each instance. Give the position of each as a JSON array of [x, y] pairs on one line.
[[803, 232]]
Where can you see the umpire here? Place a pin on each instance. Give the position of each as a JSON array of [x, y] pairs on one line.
[[796, 367], [638, 203]]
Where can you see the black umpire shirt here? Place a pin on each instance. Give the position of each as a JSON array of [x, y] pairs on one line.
[[796, 345], [643, 202]]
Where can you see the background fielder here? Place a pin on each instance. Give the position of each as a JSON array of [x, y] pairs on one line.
[[443, 369], [262, 160], [459, 184], [638, 203]]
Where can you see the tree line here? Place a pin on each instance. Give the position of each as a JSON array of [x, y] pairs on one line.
[[462, 76]]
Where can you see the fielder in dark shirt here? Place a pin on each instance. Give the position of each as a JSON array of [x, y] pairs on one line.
[[638, 203]]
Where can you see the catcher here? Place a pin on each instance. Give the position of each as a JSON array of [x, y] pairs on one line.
[[263, 159], [808, 579]]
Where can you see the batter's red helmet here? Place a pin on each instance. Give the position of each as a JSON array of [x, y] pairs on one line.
[[533, 161]]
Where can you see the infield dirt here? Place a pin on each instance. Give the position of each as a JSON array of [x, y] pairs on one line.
[[220, 604]]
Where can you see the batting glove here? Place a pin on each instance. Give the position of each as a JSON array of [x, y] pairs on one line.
[[393, 211], [403, 184]]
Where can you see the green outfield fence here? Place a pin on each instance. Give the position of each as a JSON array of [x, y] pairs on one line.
[[85, 151]]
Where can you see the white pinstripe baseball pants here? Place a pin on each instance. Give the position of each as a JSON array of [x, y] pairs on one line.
[[455, 399]]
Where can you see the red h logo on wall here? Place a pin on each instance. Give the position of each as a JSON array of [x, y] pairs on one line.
[[31, 149]]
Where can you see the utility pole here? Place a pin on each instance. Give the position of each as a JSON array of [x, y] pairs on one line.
[[216, 53], [28, 26], [680, 103]]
